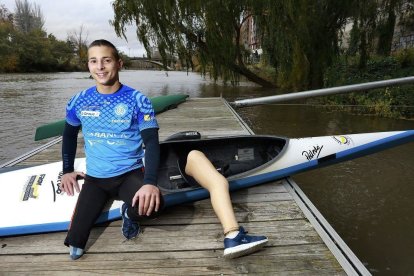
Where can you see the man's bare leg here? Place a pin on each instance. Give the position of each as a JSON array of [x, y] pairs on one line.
[[200, 168], [236, 243]]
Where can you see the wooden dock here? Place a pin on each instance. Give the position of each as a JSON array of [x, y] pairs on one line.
[[188, 239]]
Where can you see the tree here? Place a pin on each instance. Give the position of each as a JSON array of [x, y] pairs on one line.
[[386, 25], [28, 17], [62, 54], [79, 40], [301, 37], [8, 58], [26, 47], [208, 30], [5, 15], [374, 22]]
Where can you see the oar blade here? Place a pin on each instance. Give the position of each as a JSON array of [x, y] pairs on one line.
[[164, 103], [50, 130]]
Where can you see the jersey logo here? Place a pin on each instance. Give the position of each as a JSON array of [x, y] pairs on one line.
[[147, 117], [120, 109], [90, 113]]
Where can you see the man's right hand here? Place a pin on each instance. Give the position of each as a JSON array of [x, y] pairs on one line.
[[69, 183]]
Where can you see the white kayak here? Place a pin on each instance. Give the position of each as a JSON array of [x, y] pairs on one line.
[[32, 201]]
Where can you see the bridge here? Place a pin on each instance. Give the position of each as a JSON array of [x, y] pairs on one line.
[[138, 62]]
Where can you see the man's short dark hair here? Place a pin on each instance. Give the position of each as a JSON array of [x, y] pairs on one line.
[[103, 42]]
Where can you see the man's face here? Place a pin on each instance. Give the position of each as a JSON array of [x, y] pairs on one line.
[[103, 65]]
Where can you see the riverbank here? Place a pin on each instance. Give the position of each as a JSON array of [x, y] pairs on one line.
[[391, 102]]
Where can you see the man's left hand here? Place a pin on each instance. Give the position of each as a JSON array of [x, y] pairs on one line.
[[148, 197]]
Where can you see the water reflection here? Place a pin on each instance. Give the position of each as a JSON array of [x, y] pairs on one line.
[[368, 200]]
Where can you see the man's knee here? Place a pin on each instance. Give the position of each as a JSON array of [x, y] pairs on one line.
[[194, 156]]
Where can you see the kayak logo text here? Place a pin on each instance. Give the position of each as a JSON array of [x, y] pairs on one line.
[[59, 183], [32, 187], [312, 153], [57, 190]]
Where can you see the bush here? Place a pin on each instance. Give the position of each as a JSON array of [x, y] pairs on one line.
[[405, 57], [393, 102]]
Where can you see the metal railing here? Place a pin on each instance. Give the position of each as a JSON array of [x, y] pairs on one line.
[[25, 156], [323, 92]]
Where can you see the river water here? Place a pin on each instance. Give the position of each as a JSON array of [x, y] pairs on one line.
[[369, 201]]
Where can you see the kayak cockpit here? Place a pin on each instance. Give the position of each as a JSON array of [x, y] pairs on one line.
[[232, 156]]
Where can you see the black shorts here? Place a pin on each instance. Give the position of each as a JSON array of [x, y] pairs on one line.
[[95, 194]]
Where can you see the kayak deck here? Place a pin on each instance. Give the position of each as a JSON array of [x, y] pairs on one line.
[[186, 239]]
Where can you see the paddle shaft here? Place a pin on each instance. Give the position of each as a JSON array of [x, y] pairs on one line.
[[323, 92]]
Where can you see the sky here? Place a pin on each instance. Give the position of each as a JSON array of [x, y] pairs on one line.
[[65, 16]]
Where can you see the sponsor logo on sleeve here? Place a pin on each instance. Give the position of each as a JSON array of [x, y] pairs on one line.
[[90, 113], [147, 117]]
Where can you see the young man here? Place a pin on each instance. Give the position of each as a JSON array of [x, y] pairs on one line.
[[116, 120]]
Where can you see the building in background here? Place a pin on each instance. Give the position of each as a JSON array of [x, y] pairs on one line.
[[250, 36], [404, 28]]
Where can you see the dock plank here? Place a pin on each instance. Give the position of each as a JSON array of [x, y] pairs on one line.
[[192, 244], [292, 260]]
